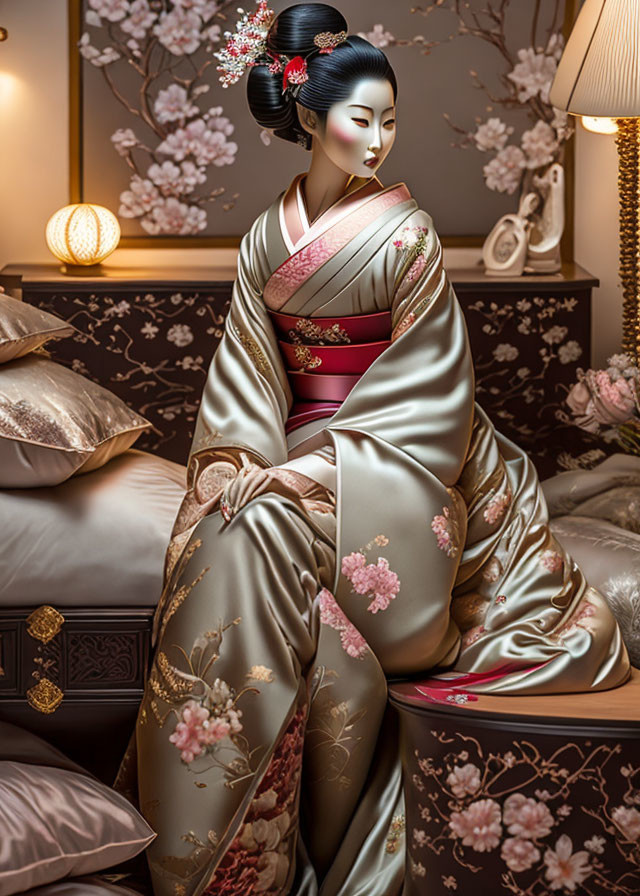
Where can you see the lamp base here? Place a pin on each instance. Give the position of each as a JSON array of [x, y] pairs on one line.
[[628, 143], [82, 270]]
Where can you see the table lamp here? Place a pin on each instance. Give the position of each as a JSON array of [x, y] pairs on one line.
[[82, 235], [599, 76]]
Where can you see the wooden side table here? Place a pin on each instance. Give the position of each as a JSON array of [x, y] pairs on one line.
[[149, 336], [522, 795]]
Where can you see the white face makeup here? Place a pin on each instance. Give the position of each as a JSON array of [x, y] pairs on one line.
[[360, 130]]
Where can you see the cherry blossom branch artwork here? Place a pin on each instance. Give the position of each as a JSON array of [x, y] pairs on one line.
[[177, 139], [517, 156]]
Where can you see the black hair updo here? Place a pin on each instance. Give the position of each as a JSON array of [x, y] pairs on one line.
[[332, 76]]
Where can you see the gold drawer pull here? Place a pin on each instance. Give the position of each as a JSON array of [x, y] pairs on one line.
[[44, 623], [45, 696]]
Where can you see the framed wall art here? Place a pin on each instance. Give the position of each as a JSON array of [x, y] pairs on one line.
[[156, 138]]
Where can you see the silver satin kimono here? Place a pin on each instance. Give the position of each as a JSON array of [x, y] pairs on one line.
[[266, 757]]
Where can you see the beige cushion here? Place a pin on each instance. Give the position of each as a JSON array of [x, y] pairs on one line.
[[54, 423], [24, 328], [57, 820], [82, 886], [105, 535]]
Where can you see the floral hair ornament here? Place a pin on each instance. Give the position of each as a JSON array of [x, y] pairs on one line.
[[295, 73], [244, 48], [326, 41]]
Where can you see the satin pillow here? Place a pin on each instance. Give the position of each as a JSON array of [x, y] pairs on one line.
[[24, 328], [54, 423], [56, 823], [82, 886], [105, 535]]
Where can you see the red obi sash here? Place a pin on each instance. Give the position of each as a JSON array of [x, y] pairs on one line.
[[325, 357]]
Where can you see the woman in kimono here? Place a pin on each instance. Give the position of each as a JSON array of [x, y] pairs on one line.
[[351, 515]]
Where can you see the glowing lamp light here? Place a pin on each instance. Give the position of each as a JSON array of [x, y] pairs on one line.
[[599, 125], [82, 235]]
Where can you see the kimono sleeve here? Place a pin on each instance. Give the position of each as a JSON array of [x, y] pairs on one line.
[[246, 397]]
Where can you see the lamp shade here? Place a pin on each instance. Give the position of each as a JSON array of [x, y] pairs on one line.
[[82, 234], [599, 73]]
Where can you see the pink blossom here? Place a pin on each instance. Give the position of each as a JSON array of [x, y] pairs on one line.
[[331, 614], [496, 508], [551, 560], [579, 619], [628, 822], [179, 31], [565, 868], [139, 19], [617, 401], [478, 825], [464, 780], [444, 528], [527, 818], [188, 732], [214, 731], [351, 563], [519, 854], [173, 104], [352, 641], [375, 579]]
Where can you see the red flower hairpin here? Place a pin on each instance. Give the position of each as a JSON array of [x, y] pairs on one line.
[[295, 72]]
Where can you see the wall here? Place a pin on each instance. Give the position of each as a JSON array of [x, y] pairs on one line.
[[35, 181]]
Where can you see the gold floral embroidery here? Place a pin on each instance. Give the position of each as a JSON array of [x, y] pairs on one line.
[[396, 830], [306, 358], [331, 734], [206, 708], [313, 333], [257, 356], [260, 673], [183, 591]]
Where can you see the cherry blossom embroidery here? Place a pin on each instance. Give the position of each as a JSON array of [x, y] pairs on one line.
[[206, 707], [375, 580], [578, 620], [552, 561], [198, 729], [404, 325], [446, 531], [501, 599], [330, 614], [496, 507], [412, 238], [394, 835]]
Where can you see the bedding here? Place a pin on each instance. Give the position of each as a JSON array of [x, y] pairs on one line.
[[57, 820], [82, 886], [595, 515], [24, 328], [104, 535], [55, 423]]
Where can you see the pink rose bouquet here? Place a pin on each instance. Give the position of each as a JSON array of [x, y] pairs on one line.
[[606, 400]]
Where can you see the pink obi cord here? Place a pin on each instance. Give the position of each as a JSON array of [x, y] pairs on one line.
[[452, 690]]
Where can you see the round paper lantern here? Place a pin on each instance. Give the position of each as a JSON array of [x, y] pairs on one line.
[[82, 234]]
